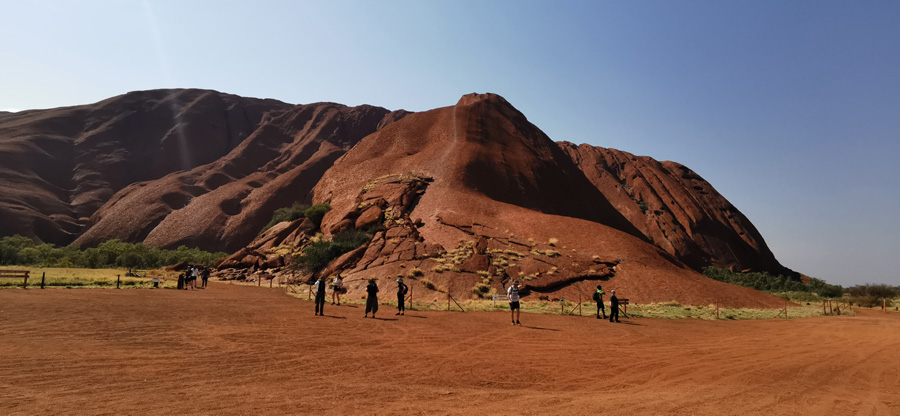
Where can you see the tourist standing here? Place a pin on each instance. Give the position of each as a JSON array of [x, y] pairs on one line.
[[320, 297], [598, 297], [371, 298], [513, 293], [337, 286], [193, 278], [401, 295], [613, 306], [205, 275], [181, 281]]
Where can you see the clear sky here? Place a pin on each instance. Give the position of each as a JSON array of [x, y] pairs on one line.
[[791, 109]]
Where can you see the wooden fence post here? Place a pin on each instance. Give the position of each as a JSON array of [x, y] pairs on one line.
[[43, 275], [118, 280]]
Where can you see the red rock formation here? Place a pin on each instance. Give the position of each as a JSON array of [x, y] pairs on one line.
[[501, 198], [168, 167], [60, 166], [676, 209]]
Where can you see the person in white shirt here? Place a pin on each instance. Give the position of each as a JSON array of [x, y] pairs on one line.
[[513, 293], [337, 285]]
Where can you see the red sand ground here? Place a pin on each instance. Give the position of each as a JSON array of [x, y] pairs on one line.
[[245, 350]]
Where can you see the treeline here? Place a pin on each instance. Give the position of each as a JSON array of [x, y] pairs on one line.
[[774, 283], [873, 295], [19, 250]]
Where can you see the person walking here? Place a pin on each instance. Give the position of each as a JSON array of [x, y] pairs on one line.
[[513, 293], [320, 296], [337, 286], [371, 298], [598, 297], [205, 275], [401, 295], [613, 306]]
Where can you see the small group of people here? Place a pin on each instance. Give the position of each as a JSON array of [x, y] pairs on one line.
[[613, 304], [337, 288], [515, 309], [188, 278]]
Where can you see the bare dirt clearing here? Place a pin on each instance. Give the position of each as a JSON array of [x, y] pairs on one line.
[[245, 350]]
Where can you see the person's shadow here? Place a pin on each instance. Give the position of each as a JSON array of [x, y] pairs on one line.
[[541, 329]]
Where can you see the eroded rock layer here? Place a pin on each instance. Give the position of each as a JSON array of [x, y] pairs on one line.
[[676, 209]]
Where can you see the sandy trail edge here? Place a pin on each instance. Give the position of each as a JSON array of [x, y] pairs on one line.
[[244, 350]]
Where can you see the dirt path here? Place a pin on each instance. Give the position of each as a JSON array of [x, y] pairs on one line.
[[245, 350]]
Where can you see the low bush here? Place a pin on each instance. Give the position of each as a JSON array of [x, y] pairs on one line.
[[291, 213], [317, 255]]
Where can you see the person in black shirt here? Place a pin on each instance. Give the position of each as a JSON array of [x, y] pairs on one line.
[[205, 275], [320, 296], [371, 298], [598, 297], [401, 296], [613, 307]]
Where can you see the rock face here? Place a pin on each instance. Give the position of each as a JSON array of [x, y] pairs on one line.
[[676, 209], [470, 197], [461, 200], [168, 167]]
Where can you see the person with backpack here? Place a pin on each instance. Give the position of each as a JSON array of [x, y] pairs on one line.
[[371, 298], [320, 296], [402, 289], [613, 306], [513, 293], [598, 297]]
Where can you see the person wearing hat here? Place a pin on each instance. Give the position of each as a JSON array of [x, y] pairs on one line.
[[613, 306], [401, 295], [320, 296], [598, 297], [371, 298]]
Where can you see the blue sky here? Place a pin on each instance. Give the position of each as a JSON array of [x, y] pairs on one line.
[[791, 109]]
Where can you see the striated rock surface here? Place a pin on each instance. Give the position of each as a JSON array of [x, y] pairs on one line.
[[168, 167], [60, 166], [676, 209]]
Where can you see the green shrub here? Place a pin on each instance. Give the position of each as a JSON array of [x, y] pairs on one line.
[[316, 212], [291, 213], [318, 254]]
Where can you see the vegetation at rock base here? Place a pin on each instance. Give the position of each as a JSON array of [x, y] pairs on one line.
[[774, 283], [872, 295], [297, 211], [318, 254], [19, 250]]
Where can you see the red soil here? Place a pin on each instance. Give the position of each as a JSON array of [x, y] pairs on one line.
[[244, 350]]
